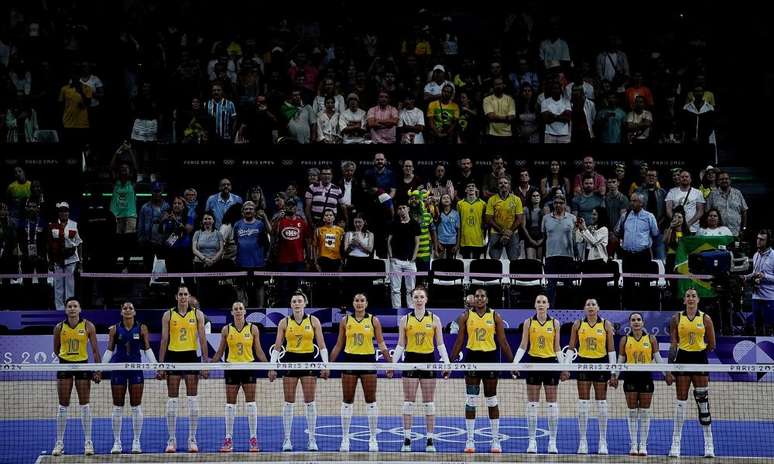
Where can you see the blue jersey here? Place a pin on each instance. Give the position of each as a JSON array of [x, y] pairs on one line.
[[128, 343]]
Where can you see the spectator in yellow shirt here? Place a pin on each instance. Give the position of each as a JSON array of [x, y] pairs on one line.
[[504, 214], [500, 111]]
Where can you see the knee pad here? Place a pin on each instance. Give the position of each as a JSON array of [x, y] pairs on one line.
[[471, 397], [408, 408], [491, 401], [429, 408], [701, 395]]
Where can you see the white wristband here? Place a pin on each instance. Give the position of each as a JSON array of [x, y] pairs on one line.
[[274, 356], [106, 356], [324, 355], [150, 356], [444, 354], [397, 354], [611, 357]]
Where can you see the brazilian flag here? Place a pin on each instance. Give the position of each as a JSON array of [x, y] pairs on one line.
[[696, 244]]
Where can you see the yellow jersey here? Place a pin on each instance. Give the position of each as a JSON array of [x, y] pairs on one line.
[[471, 222], [73, 342], [592, 339], [183, 330], [481, 331], [504, 211], [541, 338], [299, 338], [360, 335], [240, 344], [419, 333], [329, 240], [690, 332], [639, 351]]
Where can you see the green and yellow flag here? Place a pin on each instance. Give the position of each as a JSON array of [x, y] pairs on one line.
[[688, 246]]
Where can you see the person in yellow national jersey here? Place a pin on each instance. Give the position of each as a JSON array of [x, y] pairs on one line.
[[241, 340], [70, 339], [298, 332], [693, 335], [471, 209], [481, 326], [419, 334], [356, 337], [540, 340], [638, 347], [593, 336], [182, 331]]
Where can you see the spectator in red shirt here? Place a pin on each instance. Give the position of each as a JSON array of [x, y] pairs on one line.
[[310, 73], [600, 185], [638, 89], [292, 248]]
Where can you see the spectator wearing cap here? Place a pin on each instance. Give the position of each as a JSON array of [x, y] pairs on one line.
[[382, 120], [223, 113], [708, 178], [219, 202], [500, 111], [691, 199], [412, 122], [149, 236], [443, 115], [64, 243], [698, 119], [731, 204], [589, 167], [352, 121], [433, 88]]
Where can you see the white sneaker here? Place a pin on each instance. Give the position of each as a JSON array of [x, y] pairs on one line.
[[602, 447], [583, 447], [88, 448], [344, 448], [58, 449], [171, 446], [532, 446], [643, 449], [117, 448], [192, 446], [312, 445], [634, 450], [373, 445], [470, 446], [136, 448], [287, 445], [674, 451], [496, 447], [552, 446], [709, 450]]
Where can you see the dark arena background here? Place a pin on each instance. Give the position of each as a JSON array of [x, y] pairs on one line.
[[533, 231]]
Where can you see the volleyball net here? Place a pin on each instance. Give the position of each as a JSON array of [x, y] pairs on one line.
[[739, 412]]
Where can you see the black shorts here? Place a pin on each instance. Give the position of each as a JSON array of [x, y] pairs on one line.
[[359, 358], [240, 377], [691, 357], [593, 376], [299, 357], [77, 375], [472, 356], [542, 377], [638, 382], [419, 358], [182, 357]]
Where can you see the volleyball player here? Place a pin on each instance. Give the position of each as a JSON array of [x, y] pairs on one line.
[[481, 326], [692, 334], [181, 327], [298, 333], [419, 333], [540, 340], [243, 342], [126, 340], [356, 336], [638, 347], [593, 337], [70, 339]]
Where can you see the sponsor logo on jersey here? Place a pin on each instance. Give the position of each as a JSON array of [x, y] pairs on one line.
[[291, 233]]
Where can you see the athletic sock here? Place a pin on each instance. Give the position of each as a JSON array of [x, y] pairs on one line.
[[632, 421], [553, 420], [252, 418], [117, 415], [644, 426], [470, 425], [346, 418], [583, 418], [172, 418], [287, 419], [677, 433], [193, 416], [602, 413], [494, 424], [136, 422], [311, 418], [86, 421], [373, 418], [707, 429], [61, 422], [230, 415], [532, 415]]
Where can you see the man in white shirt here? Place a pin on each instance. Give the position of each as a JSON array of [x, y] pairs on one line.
[[691, 199], [352, 121], [613, 65], [411, 122], [433, 88], [556, 112], [554, 48]]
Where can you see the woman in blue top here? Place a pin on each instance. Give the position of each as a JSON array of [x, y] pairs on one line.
[[126, 340], [447, 225]]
